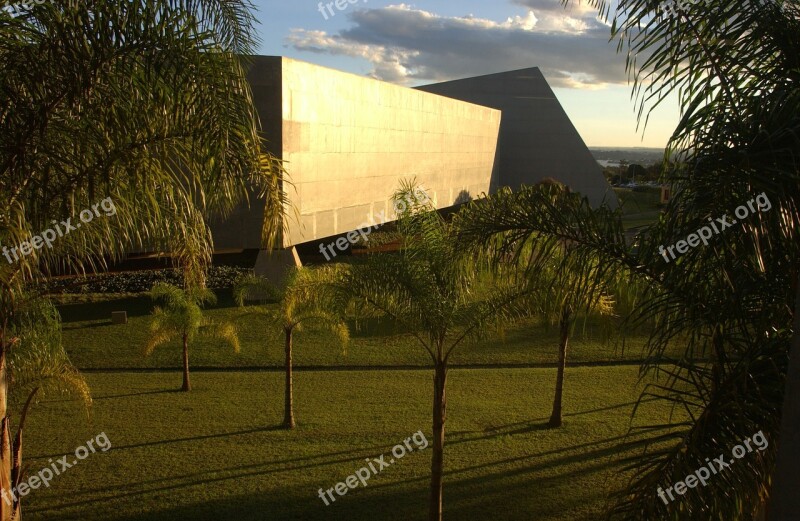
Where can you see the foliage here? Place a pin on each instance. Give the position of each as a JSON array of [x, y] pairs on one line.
[[735, 68], [181, 315], [304, 301], [37, 358], [154, 112], [430, 287], [377, 238]]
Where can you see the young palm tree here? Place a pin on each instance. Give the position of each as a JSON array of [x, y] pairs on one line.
[[303, 302], [434, 290], [564, 293], [38, 365], [565, 309], [182, 317]]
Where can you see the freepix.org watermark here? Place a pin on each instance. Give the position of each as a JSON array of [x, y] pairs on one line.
[[363, 474], [760, 202], [364, 229], [56, 468], [704, 473], [48, 236], [326, 8], [677, 8], [20, 7]]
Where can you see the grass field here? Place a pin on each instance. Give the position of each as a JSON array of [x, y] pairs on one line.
[[639, 208], [216, 453]]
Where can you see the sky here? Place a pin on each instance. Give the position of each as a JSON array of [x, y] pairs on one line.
[[438, 40]]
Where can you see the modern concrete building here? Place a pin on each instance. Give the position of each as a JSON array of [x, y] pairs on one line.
[[537, 138], [347, 141]]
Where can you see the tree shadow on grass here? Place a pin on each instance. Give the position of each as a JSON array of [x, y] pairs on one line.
[[539, 424], [141, 490], [142, 393], [505, 489], [178, 440], [297, 503]]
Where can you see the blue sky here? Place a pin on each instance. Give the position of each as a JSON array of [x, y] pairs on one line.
[[438, 40]]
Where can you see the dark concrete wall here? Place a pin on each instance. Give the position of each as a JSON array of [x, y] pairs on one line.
[[537, 138]]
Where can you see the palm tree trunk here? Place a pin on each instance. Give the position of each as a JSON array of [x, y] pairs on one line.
[[555, 417], [288, 412], [16, 470], [7, 508], [186, 385], [785, 501], [437, 459]]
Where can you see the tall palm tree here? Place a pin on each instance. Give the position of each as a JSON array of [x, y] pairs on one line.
[[302, 303], [182, 317], [735, 66], [565, 291], [146, 103], [434, 290]]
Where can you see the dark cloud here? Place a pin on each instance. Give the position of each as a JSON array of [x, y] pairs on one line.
[[407, 45]]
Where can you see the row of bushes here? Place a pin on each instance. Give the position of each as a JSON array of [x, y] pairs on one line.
[[219, 277]]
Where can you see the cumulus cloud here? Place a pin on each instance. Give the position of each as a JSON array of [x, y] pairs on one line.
[[407, 45]]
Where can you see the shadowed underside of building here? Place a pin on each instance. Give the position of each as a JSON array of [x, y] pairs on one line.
[[348, 141]]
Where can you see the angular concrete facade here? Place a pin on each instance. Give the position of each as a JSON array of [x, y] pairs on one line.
[[537, 138], [347, 141]]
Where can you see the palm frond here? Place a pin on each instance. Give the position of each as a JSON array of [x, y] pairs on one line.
[[221, 331]]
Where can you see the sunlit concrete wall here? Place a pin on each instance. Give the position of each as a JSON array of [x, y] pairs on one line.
[[537, 138], [347, 141]]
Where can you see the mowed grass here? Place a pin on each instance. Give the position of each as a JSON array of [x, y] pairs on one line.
[[639, 208], [216, 453], [93, 342]]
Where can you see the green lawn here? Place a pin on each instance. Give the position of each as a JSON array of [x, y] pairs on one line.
[[215, 453], [93, 342], [639, 208]]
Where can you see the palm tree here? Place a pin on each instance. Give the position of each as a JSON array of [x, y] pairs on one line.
[[38, 365], [182, 317], [734, 65], [565, 309], [565, 291], [434, 290], [686, 302], [146, 104], [302, 302], [731, 303]]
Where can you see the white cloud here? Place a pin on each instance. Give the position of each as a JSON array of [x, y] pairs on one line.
[[407, 45]]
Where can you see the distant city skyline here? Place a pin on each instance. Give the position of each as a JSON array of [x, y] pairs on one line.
[[437, 40]]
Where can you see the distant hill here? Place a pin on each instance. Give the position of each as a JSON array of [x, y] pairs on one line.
[[639, 156]]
